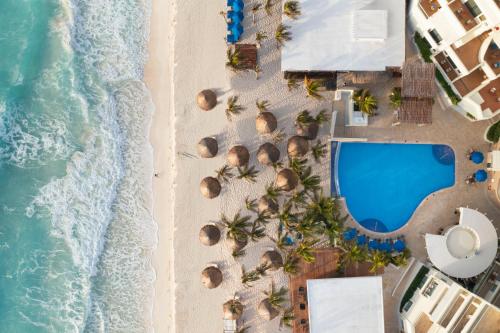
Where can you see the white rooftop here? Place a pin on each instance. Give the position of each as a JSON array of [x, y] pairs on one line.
[[346, 305], [467, 249], [495, 160], [346, 35]]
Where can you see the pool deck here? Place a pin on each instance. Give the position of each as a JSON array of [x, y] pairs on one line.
[[438, 209]]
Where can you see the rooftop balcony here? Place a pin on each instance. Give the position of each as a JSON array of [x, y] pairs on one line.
[[463, 14], [429, 7]]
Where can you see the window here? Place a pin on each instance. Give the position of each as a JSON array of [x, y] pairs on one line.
[[435, 35], [473, 8]]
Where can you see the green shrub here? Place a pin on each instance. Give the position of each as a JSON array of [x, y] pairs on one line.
[[413, 286], [424, 47], [447, 88], [493, 133]]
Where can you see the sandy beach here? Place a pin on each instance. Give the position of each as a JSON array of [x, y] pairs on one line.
[[199, 63], [158, 77]]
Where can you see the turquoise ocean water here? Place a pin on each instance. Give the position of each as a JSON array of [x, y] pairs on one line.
[[76, 231]]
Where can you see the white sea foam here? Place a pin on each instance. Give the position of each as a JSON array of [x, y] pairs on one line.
[[101, 208]]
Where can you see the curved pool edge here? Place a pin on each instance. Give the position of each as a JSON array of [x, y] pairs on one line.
[[335, 181]]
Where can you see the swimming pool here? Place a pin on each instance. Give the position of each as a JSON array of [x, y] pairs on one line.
[[383, 183]]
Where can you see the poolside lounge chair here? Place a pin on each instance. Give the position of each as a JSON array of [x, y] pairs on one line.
[[373, 244], [399, 245]]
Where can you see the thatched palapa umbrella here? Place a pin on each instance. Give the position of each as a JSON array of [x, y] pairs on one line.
[[267, 204], [238, 156], [266, 310], [309, 131], [267, 154], [298, 146], [287, 179], [233, 309], [208, 147], [210, 187], [272, 259], [211, 277], [209, 235], [266, 123], [206, 99]]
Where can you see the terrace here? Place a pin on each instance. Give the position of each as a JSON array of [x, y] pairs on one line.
[[492, 57], [429, 7], [470, 82], [463, 14], [491, 96], [446, 65], [488, 322], [469, 52]]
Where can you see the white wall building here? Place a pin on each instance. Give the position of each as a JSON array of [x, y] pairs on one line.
[[464, 36], [439, 305], [346, 35]]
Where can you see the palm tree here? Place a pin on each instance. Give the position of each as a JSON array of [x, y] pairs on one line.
[[248, 277], [257, 232], [238, 253], [281, 241], [325, 209], [290, 264], [287, 318], [259, 37], [395, 98], [287, 218], [310, 182], [233, 108], [262, 269], [292, 9], [292, 84], [282, 35], [263, 106], [365, 101], [319, 151], [298, 165], [276, 297], [233, 60], [224, 174], [243, 329], [248, 174], [378, 260], [268, 5], [273, 192], [255, 8], [333, 231], [354, 254], [237, 227], [305, 250], [297, 200], [307, 227], [304, 118], [401, 259], [251, 204], [312, 88], [262, 218]]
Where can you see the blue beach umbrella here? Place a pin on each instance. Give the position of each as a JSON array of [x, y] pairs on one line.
[[373, 244], [361, 240], [480, 175], [399, 245], [349, 234], [477, 157]]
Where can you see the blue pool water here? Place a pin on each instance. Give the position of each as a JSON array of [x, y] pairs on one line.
[[384, 183]]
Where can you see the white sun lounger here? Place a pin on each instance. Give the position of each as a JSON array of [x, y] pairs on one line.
[[229, 326]]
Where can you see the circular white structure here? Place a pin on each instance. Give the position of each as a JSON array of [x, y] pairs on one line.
[[467, 249]]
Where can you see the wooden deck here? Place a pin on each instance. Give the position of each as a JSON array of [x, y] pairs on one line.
[[446, 66], [429, 7], [325, 266], [248, 55], [470, 82], [491, 96], [469, 52]]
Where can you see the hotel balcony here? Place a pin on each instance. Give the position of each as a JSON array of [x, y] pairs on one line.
[[429, 7], [463, 14]]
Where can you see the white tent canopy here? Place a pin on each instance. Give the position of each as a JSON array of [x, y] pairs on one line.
[[346, 35], [346, 305], [495, 160], [467, 249]]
